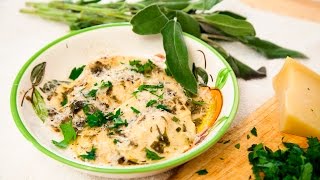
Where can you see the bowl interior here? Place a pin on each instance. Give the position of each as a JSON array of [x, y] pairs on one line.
[[81, 47]]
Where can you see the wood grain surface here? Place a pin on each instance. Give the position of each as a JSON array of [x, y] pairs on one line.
[[304, 9], [224, 161]]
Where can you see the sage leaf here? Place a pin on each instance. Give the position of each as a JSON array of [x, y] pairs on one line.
[[269, 49], [244, 71], [69, 135], [229, 25], [204, 4], [198, 71], [177, 56], [39, 105], [240, 69], [170, 4], [149, 20], [187, 22], [232, 14], [37, 73], [222, 78]]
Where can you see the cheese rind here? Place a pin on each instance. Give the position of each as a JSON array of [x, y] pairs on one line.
[[298, 91]]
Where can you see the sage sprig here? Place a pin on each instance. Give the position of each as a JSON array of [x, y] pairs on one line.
[[150, 16], [37, 101]]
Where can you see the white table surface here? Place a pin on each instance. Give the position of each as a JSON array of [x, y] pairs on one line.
[[22, 35]]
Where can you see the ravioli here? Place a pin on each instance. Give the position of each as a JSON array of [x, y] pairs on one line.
[[150, 112]]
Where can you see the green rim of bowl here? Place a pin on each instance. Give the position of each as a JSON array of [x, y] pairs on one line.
[[118, 170]]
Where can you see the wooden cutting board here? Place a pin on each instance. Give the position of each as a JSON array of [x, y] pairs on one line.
[[224, 161]]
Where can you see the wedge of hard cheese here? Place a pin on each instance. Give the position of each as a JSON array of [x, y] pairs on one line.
[[298, 91]]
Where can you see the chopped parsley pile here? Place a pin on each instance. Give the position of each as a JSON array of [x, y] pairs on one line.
[[293, 162]]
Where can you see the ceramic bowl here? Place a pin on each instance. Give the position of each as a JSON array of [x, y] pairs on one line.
[[83, 46]]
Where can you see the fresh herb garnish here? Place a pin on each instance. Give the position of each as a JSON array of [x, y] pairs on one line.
[[151, 103], [75, 73], [64, 99], [163, 107], [150, 88], [69, 135], [237, 146], [92, 93], [254, 131], [105, 84], [200, 103], [142, 68], [175, 119], [96, 119], [293, 162], [202, 172], [116, 119], [91, 155], [135, 110], [152, 155], [115, 141]]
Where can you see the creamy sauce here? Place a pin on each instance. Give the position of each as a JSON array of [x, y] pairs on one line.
[[166, 127]]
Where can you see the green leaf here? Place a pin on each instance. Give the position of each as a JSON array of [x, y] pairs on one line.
[[151, 102], [64, 100], [232, 14], [152, 155], [135, 110], [170, 4], [37, 73], [237, 146], [198, 71], [269, 49], [187, 22], [142, 68], [202, 172], [92, 93], [229, 25], [306, 173], [204, 4], [222, 78], [106, 85], [254, 131], [75, 73], [96, 119], [69, 135], [177, 56], [90, 155], [85, 2], [39, 105], [163, 107], [150, 20]]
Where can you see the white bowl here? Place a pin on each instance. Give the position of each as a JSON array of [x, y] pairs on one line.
[[81, 47]]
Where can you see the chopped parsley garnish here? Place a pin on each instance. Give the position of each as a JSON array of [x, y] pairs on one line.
[[293, 162], [248, 136], [115, 141], [117, 121], [152, 155], [237, 146], [135, 110], [162, 141], [95, 84], [150, 88], [163, 107], [69, 135], [64, 99], [142, 68], [202, 172], [91, 155], [75, 73], [151, 102], [254, 131], [175, 119], [96, 119], [105, 84], [92, 93]]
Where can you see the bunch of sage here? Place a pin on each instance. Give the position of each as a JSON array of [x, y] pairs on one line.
[[191, 16]]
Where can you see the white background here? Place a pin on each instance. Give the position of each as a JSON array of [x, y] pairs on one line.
[[22, 35]]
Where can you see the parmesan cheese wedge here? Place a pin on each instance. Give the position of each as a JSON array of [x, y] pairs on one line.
[[298, 90]]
